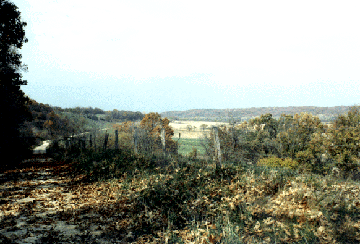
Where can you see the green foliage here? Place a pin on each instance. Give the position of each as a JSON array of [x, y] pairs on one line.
[[172, 196], [301, 138], [347, 163], [296, 133], [110, 163], [278, 162], [326, 114], [124, 115], [80, 110], [50, 123]]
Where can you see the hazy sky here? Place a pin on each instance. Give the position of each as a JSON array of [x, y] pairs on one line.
[[169, 55]]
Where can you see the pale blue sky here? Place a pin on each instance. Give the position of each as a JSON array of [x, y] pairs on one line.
[[176, 55]]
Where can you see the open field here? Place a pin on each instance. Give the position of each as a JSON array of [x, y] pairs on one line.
[[182, 125], [189, 139], [186, 145], [196, 131]]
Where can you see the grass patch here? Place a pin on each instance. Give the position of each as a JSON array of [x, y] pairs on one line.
[[186, 146]]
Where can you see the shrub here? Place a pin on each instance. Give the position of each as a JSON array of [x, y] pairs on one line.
[[278, 162], [347, 163], [193, 153]]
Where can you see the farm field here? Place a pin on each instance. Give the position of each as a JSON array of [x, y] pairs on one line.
[[189, 139], [182, 125], [196, 131], [186, 146]]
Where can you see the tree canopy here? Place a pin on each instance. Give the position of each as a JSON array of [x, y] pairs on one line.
[[16, 138]]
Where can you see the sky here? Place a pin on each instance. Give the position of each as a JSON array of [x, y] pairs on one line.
[[161, 55]]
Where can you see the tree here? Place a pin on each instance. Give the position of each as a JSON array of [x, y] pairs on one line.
[[203, 126], [296, 132], [152, 124], [344, 137], [15, 137]]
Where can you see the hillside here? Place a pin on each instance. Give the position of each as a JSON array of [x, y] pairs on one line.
[[325, 114], [50, 122]]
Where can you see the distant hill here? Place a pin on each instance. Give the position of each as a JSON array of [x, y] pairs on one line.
[[325, 114]]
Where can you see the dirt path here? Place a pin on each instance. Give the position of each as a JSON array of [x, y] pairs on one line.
[[41, 204]]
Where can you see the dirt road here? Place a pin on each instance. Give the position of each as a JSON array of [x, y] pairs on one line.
[[42, 204]]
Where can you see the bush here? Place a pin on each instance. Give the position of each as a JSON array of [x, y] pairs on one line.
[[278, 162], [193, 153], [347, 163], [171, 196]]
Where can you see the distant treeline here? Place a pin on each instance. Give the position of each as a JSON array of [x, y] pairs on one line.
[[124, 115], [82, 110], [99, 114], [325, 114]]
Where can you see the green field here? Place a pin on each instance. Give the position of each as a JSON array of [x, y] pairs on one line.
[[186, 146]]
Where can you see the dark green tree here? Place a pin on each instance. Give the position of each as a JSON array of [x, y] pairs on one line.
[[15, 136]]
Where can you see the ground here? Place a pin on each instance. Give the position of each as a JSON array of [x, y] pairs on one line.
[[40, 203]]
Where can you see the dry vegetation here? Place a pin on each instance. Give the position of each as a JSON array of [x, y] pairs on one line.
[[176, 201]]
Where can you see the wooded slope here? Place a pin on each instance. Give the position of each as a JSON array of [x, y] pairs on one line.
[[325, 114]]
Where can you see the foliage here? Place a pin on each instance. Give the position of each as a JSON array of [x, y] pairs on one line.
[[239, 144], [151, 142], [278, 162], [124, 115], [343, 143], [326, 114], [102, 165], [80, 110], [195, 202], [296, 133], [148, 134], [14, 113], [300, 137], [50, 123], [193, 154]]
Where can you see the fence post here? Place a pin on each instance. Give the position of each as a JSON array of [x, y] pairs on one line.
[[234, 139], [84, 142], [81, 143], [67, 143], [106, 140], [163, 142], [217, 147], [116, 139], [72, 141], [91, 141], [135, 140], [95, 141]]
